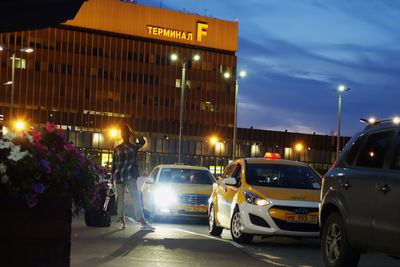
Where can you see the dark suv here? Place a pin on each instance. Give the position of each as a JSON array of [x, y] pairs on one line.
[[360, 197]]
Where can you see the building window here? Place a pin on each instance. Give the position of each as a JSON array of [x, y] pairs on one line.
[[134, 77], [20, 63], [146, 78], [178, 83], [63, 68], [228, 89], [145, 99], [37, 65]]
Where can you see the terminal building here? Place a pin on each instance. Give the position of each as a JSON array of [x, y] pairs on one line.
[[112, 64]]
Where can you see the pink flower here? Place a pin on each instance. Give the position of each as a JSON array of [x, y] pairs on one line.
[[50, 127], [60, 158], [31, 200], [36, 136], [62, 133]]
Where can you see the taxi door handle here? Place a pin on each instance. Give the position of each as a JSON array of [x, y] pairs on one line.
[[225, 190], [384, 188]]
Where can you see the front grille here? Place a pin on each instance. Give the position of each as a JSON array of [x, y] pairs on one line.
[[192, 212], [194, 199], [295, 226], [293, 209]]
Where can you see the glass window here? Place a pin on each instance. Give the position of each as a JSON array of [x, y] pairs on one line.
[[153, 174], [185, 176], [228, 171], [352, 154], [283, 176], [373, 153], [395, 164]]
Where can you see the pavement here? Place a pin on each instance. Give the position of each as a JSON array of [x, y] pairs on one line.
[[109, 246]]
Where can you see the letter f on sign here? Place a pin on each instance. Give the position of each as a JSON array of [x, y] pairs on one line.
[[201, 30]]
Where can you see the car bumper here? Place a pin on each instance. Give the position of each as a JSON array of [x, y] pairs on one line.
[[182, 210], [258, 220]]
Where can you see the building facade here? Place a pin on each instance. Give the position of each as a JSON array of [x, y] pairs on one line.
[[112, 64]]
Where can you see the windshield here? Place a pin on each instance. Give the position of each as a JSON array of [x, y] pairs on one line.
[[283, 176], [186, 176]]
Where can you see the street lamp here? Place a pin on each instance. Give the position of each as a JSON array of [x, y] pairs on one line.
[[24, 49], [341, 89], [227, 75], [174, 57]]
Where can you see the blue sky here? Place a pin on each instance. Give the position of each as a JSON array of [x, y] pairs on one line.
[[296, 52]]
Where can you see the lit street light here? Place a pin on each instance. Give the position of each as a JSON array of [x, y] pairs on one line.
[[174, 57], [340, 90], [227, 75], [26, 50]]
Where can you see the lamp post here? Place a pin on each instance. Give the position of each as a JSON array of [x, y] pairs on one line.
[[341, 89], [26, 50], [174, 57], [227, 75]]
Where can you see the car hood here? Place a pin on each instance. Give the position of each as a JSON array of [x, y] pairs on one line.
[[287, 193], [180, 189]]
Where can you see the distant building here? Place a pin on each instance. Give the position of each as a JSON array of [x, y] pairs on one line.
[[111, 64]]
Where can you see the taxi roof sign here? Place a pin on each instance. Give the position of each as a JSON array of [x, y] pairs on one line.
[[269, 155]]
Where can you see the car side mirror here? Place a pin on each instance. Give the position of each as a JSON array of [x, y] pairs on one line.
[[150, 181], [230, 181]]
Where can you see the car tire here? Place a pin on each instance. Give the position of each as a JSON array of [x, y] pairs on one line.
[[236, 230], [212, 227], [335, 248]]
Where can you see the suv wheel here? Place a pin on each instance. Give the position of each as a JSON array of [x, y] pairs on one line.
[[335, 248], [236, 229], [212, 227]]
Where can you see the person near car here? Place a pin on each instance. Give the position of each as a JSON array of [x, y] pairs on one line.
[[124, 174]]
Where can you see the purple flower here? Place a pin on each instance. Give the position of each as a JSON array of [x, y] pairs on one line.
[[44, 163], [60, 158], [31, 200], [39, 188], [37, 176]]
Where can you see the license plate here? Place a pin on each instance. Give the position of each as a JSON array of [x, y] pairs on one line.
[[301, 218], [196, 209]]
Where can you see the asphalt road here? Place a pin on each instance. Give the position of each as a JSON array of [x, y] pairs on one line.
[[187, 243], [279, 251]]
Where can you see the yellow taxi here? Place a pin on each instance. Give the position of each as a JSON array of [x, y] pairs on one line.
[[177, 190], [265, 196]]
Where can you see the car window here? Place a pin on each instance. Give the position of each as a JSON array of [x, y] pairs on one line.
[[228, 171], [373, 152], [395, 164], [185, 176], [283, 176], [352, 154], [153, 174]]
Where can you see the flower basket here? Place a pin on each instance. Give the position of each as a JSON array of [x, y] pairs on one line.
[[43, 181], [38, 236]]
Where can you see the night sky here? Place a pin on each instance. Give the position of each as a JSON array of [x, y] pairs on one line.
[[295, 52]]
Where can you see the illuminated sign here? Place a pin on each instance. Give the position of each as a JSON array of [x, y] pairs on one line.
[[201, 30], [178, 34]]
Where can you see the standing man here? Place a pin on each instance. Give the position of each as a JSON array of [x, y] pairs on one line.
[[124, 174]]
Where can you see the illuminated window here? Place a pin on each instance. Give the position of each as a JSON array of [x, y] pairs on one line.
[[178, 83], [20, 63]]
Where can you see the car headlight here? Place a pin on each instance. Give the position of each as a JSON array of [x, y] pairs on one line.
[[255, 199], [164, 196]]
